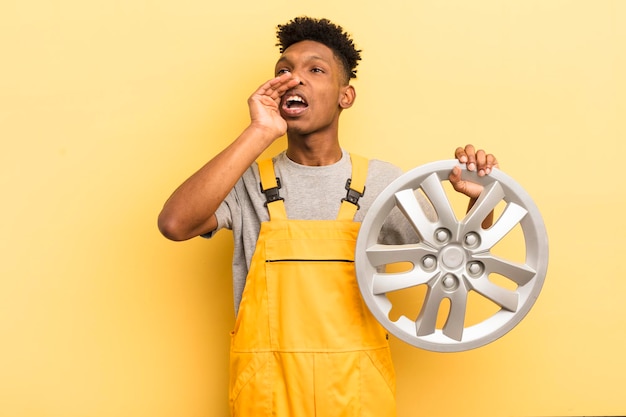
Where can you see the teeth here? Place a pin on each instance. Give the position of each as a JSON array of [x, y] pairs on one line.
[[295, 98]]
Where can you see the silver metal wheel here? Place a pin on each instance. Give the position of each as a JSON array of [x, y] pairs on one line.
[[454, 263]]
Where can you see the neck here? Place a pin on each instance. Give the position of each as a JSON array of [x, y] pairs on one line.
[[313, 151]]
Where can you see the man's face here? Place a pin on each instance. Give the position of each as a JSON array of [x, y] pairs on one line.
[[315, 104]]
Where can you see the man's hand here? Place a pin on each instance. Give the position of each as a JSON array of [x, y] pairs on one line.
[[478, 161], [264, 104]]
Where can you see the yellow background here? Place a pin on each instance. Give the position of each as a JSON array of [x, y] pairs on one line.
[[106, 106]]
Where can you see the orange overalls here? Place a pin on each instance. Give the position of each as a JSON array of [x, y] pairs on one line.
[[304, 343]]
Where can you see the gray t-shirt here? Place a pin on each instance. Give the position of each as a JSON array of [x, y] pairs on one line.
[[310, 193]]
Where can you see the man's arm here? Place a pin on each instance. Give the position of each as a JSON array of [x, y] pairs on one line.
[[190, 210]]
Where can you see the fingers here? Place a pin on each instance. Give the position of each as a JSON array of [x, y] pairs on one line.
[[278, 86], [476, 160], [462, 153], [455, 176], [470, 189]]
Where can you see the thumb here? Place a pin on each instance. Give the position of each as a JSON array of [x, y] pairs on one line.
[[455, 179]]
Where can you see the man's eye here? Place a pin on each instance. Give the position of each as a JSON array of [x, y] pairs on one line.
[[282, 71], [317, 70]]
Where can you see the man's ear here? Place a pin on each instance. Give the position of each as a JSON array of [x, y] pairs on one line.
[[347, 97]]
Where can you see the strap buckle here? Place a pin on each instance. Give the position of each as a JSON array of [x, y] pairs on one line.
[[271, 194], [352, 196]]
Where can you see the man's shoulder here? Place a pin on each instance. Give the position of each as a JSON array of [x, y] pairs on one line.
[[384, 170]]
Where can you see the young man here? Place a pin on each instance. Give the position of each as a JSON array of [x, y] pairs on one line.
[[304, 343]]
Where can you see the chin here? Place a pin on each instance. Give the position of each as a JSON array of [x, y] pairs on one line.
[[295, 128]]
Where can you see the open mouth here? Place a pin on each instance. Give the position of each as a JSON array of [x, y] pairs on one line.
[[294, 104]]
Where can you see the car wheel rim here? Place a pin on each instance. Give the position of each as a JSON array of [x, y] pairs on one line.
[[452, 259]]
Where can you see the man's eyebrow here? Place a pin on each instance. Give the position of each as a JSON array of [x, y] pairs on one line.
[[281, 59], [307, 59]]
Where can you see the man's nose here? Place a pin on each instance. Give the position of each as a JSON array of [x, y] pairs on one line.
[[298, 74]]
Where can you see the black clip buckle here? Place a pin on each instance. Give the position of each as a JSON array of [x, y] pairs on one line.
[[271, 194], [353, 195]]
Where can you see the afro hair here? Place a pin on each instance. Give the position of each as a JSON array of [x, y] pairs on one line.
[[322, 31]]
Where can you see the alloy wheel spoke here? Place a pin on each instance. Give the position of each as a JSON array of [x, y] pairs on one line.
[[410, 207], [436, 194], [510, 218], [427, 319], [501, 296], [455, 323], [521, 274], [385, 283], [487, 201], [380, 254]]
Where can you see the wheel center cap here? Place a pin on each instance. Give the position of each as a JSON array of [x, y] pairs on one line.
[[452, 256]]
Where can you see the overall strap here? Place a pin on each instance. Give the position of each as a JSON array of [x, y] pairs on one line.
[[355, 187], [270, 185]]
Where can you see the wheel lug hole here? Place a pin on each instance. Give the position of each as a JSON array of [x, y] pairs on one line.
[[472, 239], [475, 268], [450, 282], [442, 235], [429, 262]]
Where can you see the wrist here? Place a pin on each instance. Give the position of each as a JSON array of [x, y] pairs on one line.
[[262, 134]]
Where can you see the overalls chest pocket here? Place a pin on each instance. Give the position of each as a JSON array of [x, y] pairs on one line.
[[313, 295]]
